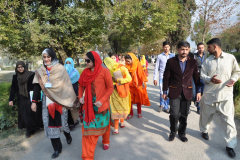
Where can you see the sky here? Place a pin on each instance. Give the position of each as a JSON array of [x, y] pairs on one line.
[[232, 20]]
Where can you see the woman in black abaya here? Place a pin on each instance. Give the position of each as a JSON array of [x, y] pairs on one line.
[[21, 86]]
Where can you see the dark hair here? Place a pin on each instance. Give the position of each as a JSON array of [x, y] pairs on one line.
[[128, 57], [183, 44], [112, 54], [51, 53], [166, 43], [200, 44], [215, 41], [90, 56]]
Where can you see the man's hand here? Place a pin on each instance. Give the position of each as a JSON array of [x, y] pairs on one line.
[[34, 107], [81, 100], [155, 82], [215, 80], [230, 83], [165, 97], [10, 103], [198, 98], [98, 104]]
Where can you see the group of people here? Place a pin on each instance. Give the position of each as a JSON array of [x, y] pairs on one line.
[[206, 80], [57, 98]]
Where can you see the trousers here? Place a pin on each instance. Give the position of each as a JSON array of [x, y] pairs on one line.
[[89, 144], [178, 113], [225, 110]]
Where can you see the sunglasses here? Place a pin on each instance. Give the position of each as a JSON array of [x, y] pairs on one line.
[[87, 60]]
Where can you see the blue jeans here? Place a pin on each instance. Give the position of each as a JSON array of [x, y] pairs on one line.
[[202, 88], [162, 101]]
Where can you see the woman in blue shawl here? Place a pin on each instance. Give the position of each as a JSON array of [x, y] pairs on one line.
[[73, 115]]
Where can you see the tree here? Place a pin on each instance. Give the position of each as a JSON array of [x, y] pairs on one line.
[[215, 14], [187, 9], [141, 22], [196, 33], [230, 38], [69, 27]]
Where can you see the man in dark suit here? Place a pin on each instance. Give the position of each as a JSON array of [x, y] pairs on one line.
[[178, 75]]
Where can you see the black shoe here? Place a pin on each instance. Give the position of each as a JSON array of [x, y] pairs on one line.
[[167, 111], [69, 141], [198, 111], [230, 152], [171, 137], [56, 153], [183, 138], [28, 135], [205, 136]]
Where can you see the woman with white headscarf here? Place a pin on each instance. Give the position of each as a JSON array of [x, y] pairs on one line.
[[52, 78]]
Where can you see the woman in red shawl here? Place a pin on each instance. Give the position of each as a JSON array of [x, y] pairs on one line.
[[96, 81], [138, 86]]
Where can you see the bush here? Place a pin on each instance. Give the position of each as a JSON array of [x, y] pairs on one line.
[[8, 114], [236, 95]]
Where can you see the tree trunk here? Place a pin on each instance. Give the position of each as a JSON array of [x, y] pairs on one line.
[[62, 54]]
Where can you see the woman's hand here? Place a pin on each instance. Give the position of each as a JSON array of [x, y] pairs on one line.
[[81, 100], [98, 104], [34, 107], [10, 103]]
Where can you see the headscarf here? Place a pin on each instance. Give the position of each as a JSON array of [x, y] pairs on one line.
[[143, 61], [60, 92], [111, 64], [23, 78], [87, 77], [136, 70], [72, 72], [52, 54]]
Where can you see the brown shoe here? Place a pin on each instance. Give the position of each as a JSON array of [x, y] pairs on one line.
[[160, 108]]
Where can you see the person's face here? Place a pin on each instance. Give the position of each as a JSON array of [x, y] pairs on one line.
[[183, 51], [200, 48], [114, 58], [122, 58], [128, 61], [166, 48], [68, 62], [89, 63], [211, 49], [119, 57], [46, 59], [20, 68]]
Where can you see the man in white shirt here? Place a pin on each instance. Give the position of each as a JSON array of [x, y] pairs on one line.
[[160, 68], [219, 72]]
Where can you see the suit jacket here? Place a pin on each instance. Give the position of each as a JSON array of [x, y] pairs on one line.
[[177, 81]]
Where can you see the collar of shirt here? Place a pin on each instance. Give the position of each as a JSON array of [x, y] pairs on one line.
[[221, 56], [168, 54]]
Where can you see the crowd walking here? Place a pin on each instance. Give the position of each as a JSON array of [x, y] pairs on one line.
[[56, 97]]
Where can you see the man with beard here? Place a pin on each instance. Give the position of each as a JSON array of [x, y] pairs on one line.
[[178, 75], [219, 72]]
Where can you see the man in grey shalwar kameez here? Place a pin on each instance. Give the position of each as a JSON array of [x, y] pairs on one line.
[[219, 72]]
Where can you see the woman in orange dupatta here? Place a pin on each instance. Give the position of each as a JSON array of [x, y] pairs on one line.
[[137, 86]]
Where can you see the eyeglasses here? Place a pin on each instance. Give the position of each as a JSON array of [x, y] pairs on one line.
[[87, 60], [20, 67]]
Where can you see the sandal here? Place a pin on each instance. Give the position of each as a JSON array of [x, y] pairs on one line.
[[105, 146], [139, 115], [122, 126], [129, 116], [115, 132]]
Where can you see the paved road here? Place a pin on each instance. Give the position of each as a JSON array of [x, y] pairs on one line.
[[142, 139]]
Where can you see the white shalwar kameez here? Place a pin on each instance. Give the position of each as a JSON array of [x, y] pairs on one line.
[[218, 98]]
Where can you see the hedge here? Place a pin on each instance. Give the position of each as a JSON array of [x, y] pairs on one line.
[[8, 114]]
